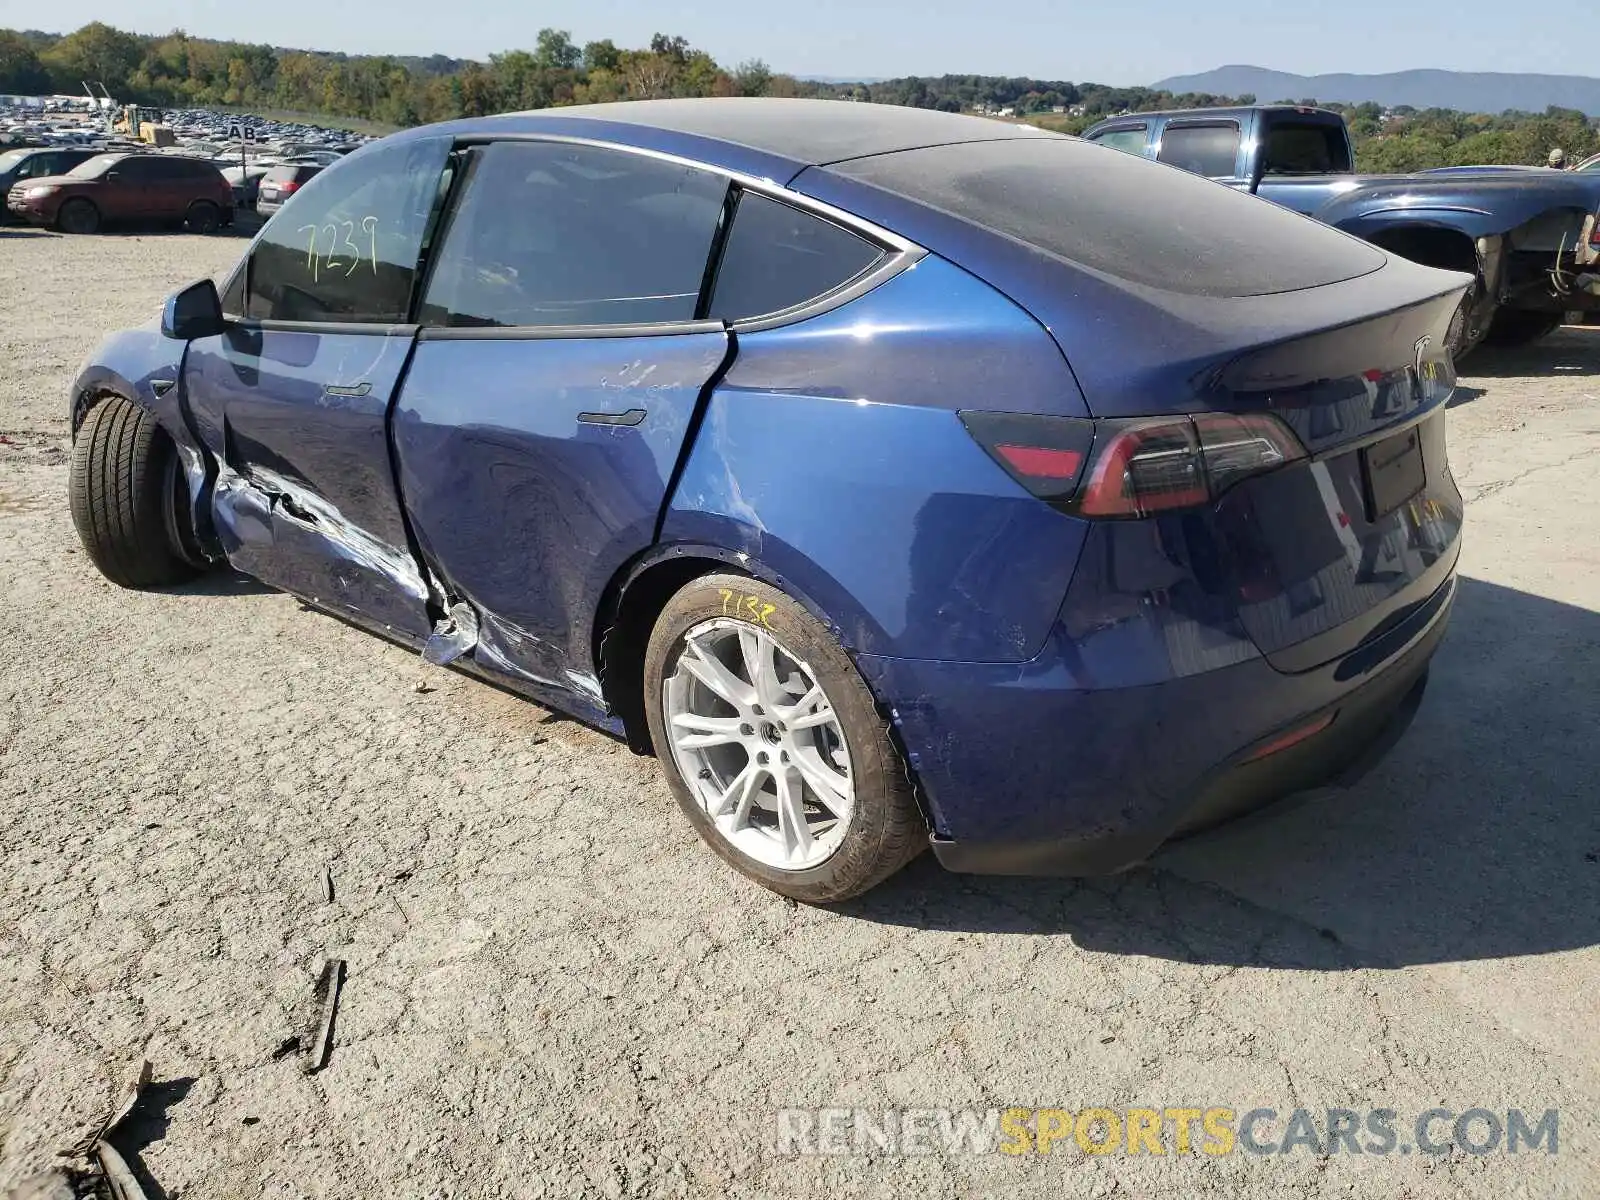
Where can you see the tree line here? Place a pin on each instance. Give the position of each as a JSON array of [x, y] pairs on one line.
[[176, 70]]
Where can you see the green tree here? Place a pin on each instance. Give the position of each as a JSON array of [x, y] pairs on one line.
[[602, 55], [21, 72], [554, 50], [752, 77], [97, 53]]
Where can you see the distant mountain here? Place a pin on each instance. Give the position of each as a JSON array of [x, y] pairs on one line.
[[1464, 91]]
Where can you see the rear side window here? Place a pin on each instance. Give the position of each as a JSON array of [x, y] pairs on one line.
[[777, 257], [1121, 216], [553, 234], [1209, 150], [346, 250], [292, 172], [1307, 148], [1129, 141]]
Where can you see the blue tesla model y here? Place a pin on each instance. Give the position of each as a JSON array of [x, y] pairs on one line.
[[894, 477]]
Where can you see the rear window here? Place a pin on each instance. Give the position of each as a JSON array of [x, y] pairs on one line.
[[292, 172], [1306, 148], [1124, 217], [1209, 150], [778, 257]]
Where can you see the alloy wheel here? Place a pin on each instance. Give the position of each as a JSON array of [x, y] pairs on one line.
[[759, 744]]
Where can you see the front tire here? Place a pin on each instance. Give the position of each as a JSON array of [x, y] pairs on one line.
[[772, 743], [122, 489]]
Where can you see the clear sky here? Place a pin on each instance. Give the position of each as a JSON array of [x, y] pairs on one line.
[[1107, 42]]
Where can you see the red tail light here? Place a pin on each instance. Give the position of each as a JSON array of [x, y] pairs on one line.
[[1133, 468], [289, 185]]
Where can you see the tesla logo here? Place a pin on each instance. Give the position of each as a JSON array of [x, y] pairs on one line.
[[1425, 371]]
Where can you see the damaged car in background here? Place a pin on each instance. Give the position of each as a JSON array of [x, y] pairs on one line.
[[1529, 238], [807, 447]]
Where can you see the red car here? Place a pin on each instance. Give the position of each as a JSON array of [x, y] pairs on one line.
[[127, 187]]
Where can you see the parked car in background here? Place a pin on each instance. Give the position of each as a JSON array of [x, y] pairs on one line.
[[283, 181], [827, 452], [22, 166], [1529, 237], [246, 183], [116, 188]]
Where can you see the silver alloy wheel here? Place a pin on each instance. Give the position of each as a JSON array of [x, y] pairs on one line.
[[759, 744]]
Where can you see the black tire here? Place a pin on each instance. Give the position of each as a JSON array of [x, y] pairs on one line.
[[1520, 327], [122, 491], [203, 217], [78, 216], [886, 829], [1463, 338]]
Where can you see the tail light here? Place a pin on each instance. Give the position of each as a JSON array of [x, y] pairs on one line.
[[287, 186], [1133, 468]]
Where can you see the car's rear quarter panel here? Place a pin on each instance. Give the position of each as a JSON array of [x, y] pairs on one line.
[[831, 456]]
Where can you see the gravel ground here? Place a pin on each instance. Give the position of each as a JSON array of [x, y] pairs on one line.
[[553, 990]]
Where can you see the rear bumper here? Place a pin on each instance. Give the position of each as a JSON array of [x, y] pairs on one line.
[[1027, 775]]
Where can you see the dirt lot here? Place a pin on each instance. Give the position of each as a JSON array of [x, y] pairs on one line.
[[554, 990]]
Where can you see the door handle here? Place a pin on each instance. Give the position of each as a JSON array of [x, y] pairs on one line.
[[355, 389], [632, 417]]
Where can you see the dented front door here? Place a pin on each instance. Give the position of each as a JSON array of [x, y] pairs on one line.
[[293, 398], [306, 500]]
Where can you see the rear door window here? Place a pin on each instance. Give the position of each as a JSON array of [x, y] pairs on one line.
[[1306, 148], [550, 234], [347, 249], [41, 165], [1210, 150], [1130, 139], [778, 257]]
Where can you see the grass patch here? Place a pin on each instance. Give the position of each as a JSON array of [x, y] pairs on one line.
[[321, 120]]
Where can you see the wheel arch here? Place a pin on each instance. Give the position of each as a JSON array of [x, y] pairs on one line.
[[1432, 245], [632, 602], [146, 369]]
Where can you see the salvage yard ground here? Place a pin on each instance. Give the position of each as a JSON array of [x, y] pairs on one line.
[[555, 990]]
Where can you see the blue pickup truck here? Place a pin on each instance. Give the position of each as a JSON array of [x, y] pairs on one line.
[[1530, 239]]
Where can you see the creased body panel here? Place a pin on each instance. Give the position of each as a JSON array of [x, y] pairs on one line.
[[298, 423], [524, 496], [833, 455]]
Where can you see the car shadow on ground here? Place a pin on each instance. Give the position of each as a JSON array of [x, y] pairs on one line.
[[224, 583], [1478, 837], [1570, 350]]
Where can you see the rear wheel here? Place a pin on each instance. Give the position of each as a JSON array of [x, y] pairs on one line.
[[772, 744], [1519, 327], [78, 216], [127, 494], [203, 217]]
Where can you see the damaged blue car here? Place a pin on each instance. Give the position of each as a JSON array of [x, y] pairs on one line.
[[896, 478]]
